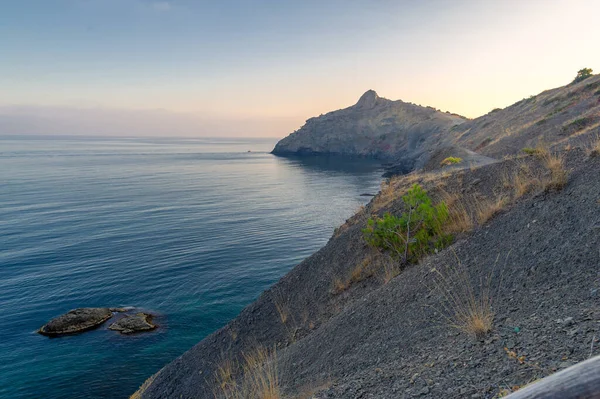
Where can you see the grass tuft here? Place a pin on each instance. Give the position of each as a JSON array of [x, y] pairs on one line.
[[259, 377], [558, 172], [465, 308], [138, 394], [487, 209], [594, 150]]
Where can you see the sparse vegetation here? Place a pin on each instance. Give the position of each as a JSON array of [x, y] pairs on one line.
[[258, 379], [465, 308], [579, 123], [138, 394], [523, 181], [487, 209], [451, 161], [416, 232], [594, 150], [583, 74], [282, 310], [558, 172], [287, 319], [530, 151], [459, 218], [360, 272], [390, 269]]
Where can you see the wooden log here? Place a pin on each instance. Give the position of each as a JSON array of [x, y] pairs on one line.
[[580, 381]]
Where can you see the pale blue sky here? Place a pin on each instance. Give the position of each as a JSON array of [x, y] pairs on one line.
[[262, 67]]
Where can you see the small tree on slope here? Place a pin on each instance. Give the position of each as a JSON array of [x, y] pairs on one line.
[[413, 234]]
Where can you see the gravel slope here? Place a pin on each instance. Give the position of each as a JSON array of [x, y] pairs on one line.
[[390, 340]]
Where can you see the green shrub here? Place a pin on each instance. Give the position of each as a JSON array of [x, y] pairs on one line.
[[583, 74], [451, 161], [530, 151], [418, 231]]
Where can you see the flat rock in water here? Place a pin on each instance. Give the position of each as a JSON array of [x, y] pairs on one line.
[[75, 321], [133, 323]]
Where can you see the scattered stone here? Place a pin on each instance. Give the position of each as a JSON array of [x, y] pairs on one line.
[[133, 323], [75, 321]]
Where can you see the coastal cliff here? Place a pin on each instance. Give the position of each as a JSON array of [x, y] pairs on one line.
[[348, 323]]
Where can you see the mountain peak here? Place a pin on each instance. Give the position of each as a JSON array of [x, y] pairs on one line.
[[368, 100]]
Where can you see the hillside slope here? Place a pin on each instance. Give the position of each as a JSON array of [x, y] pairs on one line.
[[557, 117], [372, 339]]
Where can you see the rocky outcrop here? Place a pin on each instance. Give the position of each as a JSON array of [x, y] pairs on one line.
[[373, 127], [133, 323], [75, 321]]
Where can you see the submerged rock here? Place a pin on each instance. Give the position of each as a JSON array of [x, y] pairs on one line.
[[133, 323], [75, 321]]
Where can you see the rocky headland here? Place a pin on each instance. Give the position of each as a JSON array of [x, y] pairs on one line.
[[407, 136]]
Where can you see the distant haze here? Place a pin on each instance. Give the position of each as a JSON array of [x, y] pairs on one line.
[[239, 68]]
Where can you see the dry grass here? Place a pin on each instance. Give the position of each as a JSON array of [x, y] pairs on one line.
[[339, 286], [464, 307], [309, 391], [524, 181], [487, 209], [225, 375], [287, 318], [521, 185], [558, 173], [360, 272], [594, 149], [459, 218], [386, 195], [391, 269], [282, 310], [138, 394], [259, 377]]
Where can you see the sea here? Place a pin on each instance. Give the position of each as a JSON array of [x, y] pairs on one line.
[[191, 230]]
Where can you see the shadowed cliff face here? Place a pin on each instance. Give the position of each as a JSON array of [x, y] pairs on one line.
[[373, 127]]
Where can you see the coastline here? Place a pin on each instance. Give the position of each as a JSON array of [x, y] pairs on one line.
[[313, 328]]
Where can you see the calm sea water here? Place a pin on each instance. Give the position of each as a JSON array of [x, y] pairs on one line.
[[192, 230]]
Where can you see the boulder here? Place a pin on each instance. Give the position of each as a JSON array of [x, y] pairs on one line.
[[133, 323], [75, 321]]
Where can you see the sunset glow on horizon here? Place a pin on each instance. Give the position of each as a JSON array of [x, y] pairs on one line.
[[261, 69]]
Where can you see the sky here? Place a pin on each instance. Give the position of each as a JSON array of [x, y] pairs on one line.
[[262, 67]]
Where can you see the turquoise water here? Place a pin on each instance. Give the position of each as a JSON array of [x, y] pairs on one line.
[[191, 230]]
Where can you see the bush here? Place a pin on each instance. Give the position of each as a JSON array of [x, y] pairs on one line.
[[418, 231], [530, 151], [451, 161], [583, 74]]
